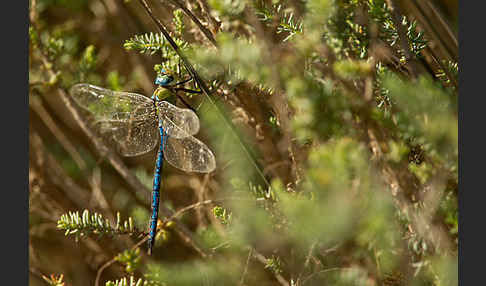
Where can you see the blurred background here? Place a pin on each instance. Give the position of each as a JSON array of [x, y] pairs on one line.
[[333, 124]]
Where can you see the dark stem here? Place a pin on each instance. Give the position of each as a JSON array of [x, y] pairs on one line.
[[205, 31]]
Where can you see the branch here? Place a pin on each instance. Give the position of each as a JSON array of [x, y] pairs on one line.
[[38, 107], [203, 29], [306, 263], [327, 270], [263, 260], [102, 268], [402, 36], [242, 281]]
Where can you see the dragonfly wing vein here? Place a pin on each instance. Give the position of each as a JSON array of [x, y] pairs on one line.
[[125, 120], [177, 122], [129, 139], [105, 104], [189, 154]]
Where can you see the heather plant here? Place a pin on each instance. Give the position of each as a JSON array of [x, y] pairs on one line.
[[333, 123]]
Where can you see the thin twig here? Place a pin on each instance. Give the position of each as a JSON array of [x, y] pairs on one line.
[[33, 14], [214, 24], [264, 261], [325, 271], [445, 25], [200, 194], [36, 104], [101, 269], [113, 260], [190, 207], [306, 263], [56, 173], [242, 281], [98, 196], [36, 273], [36, 83], [203, 29], [72, 191]]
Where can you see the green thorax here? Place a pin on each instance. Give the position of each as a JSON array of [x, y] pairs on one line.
[[162, 93]]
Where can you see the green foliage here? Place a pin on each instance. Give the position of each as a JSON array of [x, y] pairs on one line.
[[319, 12], [398, 151], [452, 68], [151, 43], [274, 264], [352, 69], [227, 7], [427, 117], [287, 22], [346, 37], [179, 22], [88, 62], [53, 280], [215, 272], [85, 224], [164, 234], [448, 207], [237, 57], [416, 38], [211, 239], [147, 43], [223, 216], [131, 282], [130, 258], [380, 12], [351, 39], [314, 96], [115, 81]]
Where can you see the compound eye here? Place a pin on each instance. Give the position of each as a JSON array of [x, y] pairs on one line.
[[164, 80]]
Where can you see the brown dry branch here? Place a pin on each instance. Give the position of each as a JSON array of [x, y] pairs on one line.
[[263, 260], [37, 105], [443, 41]]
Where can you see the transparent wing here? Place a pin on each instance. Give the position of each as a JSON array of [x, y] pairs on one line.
[[189, 154], [125, 120], [129, 138], [177, 122], [108, 105]]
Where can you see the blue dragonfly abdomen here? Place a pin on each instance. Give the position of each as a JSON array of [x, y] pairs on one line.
[[156, 190], [130, 123]]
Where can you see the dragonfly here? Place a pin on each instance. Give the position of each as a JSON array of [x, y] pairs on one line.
[[133, 123]]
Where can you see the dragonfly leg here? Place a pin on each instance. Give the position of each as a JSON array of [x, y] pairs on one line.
[[188, 90], [185, 103], [184, 81]]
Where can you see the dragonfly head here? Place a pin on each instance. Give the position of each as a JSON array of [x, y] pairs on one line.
[[164, 78]]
